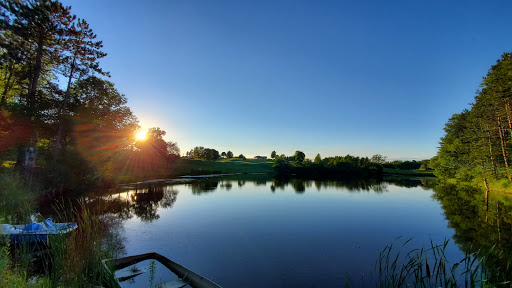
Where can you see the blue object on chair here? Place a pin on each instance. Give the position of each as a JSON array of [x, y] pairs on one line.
[[33, 227], [49, 224]]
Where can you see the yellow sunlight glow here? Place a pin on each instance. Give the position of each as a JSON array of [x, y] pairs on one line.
[[141, 135]]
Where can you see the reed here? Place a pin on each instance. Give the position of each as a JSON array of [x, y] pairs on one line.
[[429, 267], [16, 197], [66, 260], [75, 261]]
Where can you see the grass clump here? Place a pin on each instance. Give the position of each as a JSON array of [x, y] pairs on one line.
[[9, 277], [409, 173], [16, 197], [67, 260], [75, 260], [430, 268], [14, 275]]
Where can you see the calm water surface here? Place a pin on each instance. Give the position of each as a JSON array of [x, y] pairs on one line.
[[244, 233]]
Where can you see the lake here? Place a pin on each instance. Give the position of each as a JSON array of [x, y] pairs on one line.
[[257, 232]]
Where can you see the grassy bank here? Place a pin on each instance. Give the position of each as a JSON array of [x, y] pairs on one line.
[[416, 173], [499, 188], [187, 166], [503, 186], [72, 260], [184, 167]]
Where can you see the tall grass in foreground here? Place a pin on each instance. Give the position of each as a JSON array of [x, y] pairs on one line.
[[69, 260], [16, 198], [75, 260], [9, 277], [429, 267]]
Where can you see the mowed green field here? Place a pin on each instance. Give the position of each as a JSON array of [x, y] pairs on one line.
[[226, 166]]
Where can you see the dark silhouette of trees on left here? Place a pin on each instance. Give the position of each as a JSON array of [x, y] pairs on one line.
[[56, 104]]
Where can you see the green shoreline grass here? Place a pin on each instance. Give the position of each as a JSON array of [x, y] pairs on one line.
[[225, 166], [416, 173], [498, 188], [186, 166]]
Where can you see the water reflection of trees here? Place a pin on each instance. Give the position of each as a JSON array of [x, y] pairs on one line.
[[300, 186], [203, 186], [226, 185], [358, 185], [142, 202], [115, 238], [479, 227], [425, 183], [145, 204]]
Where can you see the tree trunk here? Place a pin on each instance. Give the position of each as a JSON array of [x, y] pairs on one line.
[[32, 92], [491, 152], [36, 73], [486, 195], [507, 108], [60, 131], [503, 144], [498, 220]]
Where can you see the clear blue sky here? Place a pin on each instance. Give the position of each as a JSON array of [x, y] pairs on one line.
[[328, 77]]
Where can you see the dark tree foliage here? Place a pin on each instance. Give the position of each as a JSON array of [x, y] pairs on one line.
[[478, 141], [153, 147], [79, 56], [202, 153], [299, 156], [53, 101], [329, 167], [34, 32], [403, 165]]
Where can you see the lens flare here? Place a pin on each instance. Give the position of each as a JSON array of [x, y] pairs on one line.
[[141, 135]]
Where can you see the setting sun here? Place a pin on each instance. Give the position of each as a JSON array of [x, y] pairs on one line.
[[141, 135]]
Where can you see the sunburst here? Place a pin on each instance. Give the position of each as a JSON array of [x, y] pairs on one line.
[[141, 135]]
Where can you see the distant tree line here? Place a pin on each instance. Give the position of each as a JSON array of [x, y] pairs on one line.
[[408, 165], [202, 153], [478, 141], [329, 167]]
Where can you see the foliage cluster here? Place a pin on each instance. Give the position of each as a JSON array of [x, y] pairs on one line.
[[209, 154], [67, 128], [478, 142], [329, 167], [408, 165], [202, 153], [60, 118]]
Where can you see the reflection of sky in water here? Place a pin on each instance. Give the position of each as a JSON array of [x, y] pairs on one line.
[[246, 235]]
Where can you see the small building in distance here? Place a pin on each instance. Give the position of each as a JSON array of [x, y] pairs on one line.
[[260, 157]]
